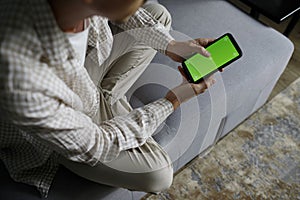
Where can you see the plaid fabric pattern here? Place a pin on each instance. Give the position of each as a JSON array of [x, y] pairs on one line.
[[141, 26], [47, 101]]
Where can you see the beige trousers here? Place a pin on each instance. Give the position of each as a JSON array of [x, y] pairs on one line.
[[146, 168]]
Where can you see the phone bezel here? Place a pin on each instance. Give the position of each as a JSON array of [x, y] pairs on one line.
[[236, 46]]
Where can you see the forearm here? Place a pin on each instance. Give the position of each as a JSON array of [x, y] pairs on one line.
[[171, 97], [180, 94], [74, 135]]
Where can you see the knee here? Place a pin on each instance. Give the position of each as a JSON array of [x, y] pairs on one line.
[[160, 13], [158, 181]]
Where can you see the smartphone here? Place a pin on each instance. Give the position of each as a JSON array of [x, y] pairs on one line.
[[223, 51]]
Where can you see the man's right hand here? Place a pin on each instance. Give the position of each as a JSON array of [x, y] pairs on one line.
[[186, 90]]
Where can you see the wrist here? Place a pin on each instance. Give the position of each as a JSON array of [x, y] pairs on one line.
[[170, 47], [180, 94], [171, 97]]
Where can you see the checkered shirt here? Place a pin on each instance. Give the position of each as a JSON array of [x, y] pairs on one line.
[[47, 101]]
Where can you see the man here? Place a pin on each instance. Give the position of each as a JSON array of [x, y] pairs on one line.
[[63, 82]]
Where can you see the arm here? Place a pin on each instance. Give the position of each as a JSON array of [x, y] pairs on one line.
[[148, 30], [74, 135], [32, 107]]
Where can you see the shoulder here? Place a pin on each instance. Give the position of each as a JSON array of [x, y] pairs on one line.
[[14, 14], [17, 31]]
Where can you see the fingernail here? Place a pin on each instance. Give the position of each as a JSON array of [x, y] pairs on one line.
[[207, 53]]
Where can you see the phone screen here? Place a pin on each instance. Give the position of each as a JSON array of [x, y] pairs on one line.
[[222, 52]]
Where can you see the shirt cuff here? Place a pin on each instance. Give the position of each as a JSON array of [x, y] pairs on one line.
[[162, 109], [163, 38]]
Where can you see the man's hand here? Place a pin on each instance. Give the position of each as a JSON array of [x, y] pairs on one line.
[[186, 90], [179, 51]]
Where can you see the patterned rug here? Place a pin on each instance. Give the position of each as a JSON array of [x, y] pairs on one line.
[[260, 159]]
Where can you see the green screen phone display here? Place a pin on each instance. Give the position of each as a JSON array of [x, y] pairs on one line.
[[223, 51]]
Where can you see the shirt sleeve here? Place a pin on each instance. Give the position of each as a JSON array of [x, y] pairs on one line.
[[67, 131], [144, 28], [74, 135]]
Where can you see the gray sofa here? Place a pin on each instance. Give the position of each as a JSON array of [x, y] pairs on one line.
[[240, 90]]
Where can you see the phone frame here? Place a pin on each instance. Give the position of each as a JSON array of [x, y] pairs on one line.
[[236, 46]]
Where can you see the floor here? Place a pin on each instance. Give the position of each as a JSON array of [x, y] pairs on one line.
[[292, 72], [259, 159], [283, 187]]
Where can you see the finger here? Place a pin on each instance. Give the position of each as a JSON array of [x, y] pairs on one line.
[[221, 70], [203, 85], [201, 50], [210, 81], [204, 41], [200, 87], [210, 40]]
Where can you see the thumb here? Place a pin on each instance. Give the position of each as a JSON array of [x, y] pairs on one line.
[[200, 49]]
